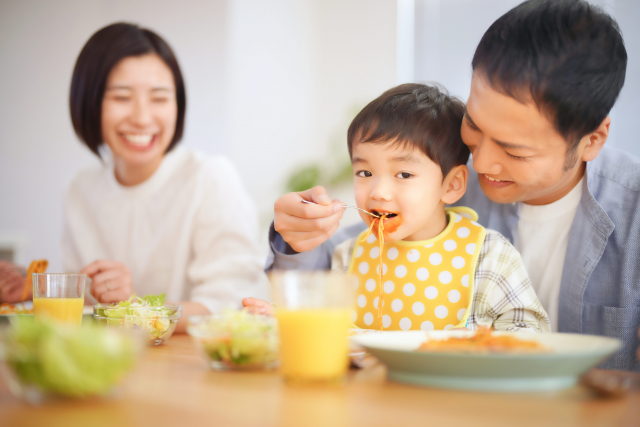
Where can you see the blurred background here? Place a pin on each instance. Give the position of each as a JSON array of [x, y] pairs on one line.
[[272, 84]]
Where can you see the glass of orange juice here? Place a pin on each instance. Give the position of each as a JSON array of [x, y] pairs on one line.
[[59, 296], [314, 315]]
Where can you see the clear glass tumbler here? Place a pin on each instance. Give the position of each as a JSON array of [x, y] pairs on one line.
[[314, 315], [59, 296]]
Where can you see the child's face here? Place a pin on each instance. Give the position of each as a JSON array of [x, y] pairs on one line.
[[399, 180]]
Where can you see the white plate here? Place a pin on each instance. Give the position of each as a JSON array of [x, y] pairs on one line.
[[570, 355]]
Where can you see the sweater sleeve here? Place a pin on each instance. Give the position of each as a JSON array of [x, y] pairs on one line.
[[503, 297], [226, 265]]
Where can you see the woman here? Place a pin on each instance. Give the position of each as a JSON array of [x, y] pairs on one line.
[[152, 218]]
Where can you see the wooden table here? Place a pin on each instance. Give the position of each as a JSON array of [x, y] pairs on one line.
[[173, 387]]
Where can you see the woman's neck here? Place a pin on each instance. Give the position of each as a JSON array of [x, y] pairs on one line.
[[130, 175]]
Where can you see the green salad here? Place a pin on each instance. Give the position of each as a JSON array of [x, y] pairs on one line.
[[146, 313], [74, 362], [236, 339]]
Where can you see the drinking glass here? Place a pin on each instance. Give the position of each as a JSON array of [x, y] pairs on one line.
[[59, 296], [314, 315]]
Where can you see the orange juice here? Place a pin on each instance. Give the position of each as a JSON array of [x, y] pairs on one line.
[[313, 343], [67, 310]]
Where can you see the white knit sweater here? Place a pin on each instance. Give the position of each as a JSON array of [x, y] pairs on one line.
[[189, 231]]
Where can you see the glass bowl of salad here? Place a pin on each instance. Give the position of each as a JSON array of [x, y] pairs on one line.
[[236, 340], [42, 360], [148, 314]]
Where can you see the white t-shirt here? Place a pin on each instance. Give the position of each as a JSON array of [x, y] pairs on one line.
[[189, 231], [541, 237]]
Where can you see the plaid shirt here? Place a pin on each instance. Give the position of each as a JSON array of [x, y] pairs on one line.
[[503, 296]]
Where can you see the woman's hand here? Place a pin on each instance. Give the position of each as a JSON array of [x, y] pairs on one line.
[[257, 306], [12, 278], [304, 226], [111, 281]]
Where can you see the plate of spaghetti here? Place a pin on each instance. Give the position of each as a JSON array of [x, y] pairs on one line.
[[487, 360]]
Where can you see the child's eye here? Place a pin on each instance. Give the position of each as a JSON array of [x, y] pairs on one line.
[[159, 100], [121, 98], [404, 175], [515, 157], [363, 174]]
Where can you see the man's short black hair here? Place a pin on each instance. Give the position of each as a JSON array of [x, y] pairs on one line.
[[566, 55], [96, 60], [417, 115]]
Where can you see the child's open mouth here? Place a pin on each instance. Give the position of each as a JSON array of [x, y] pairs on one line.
[[388, 215], [390, 223]]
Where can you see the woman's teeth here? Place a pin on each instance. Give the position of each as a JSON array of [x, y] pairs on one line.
[[139, 139], [493, 179]]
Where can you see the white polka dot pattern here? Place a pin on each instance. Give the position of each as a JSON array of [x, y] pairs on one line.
[[431, 292], [363, 268], [370, 285], [425, 284], [450, 245], [405, 323], [417, 308], [374, 252], [457, 262], [463, 232], [409, 289], [435, 259], [445, 277], [401, 271], [427, 326], [453, 296], [384, 269], [386, 321], [368, 319], [441, 312], [413, 255], [362, 301], [389, 286]]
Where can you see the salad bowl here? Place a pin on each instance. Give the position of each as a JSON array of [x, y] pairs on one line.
[[42, 360], [148, 314], [236, 340]]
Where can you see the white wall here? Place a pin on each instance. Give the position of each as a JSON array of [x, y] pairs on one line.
[[448, 31], [269, 83]]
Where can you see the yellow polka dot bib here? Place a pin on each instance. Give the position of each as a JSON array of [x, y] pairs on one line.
[[426, 284]]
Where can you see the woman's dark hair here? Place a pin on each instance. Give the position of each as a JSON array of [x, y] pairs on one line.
[[567, 55], [96, 60], [415, 115]]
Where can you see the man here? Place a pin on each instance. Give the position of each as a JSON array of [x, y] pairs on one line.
[[545, 76]]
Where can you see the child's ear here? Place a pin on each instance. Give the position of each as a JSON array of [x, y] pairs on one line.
[[455, 184]]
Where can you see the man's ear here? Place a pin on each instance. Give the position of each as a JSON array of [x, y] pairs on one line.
[[455, 184], [594, 141]]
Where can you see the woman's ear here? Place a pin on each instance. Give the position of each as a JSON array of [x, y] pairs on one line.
[[455, 184], [594, 141]]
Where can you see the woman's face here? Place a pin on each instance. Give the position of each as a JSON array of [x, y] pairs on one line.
[[139, 111]]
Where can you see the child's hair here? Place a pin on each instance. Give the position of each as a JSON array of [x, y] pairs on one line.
[[567, 55], [417, 115]]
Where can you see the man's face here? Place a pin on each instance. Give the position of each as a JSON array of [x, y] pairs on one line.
[[517, 152]]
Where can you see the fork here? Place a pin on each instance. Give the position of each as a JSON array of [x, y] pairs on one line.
[[345, 206]]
